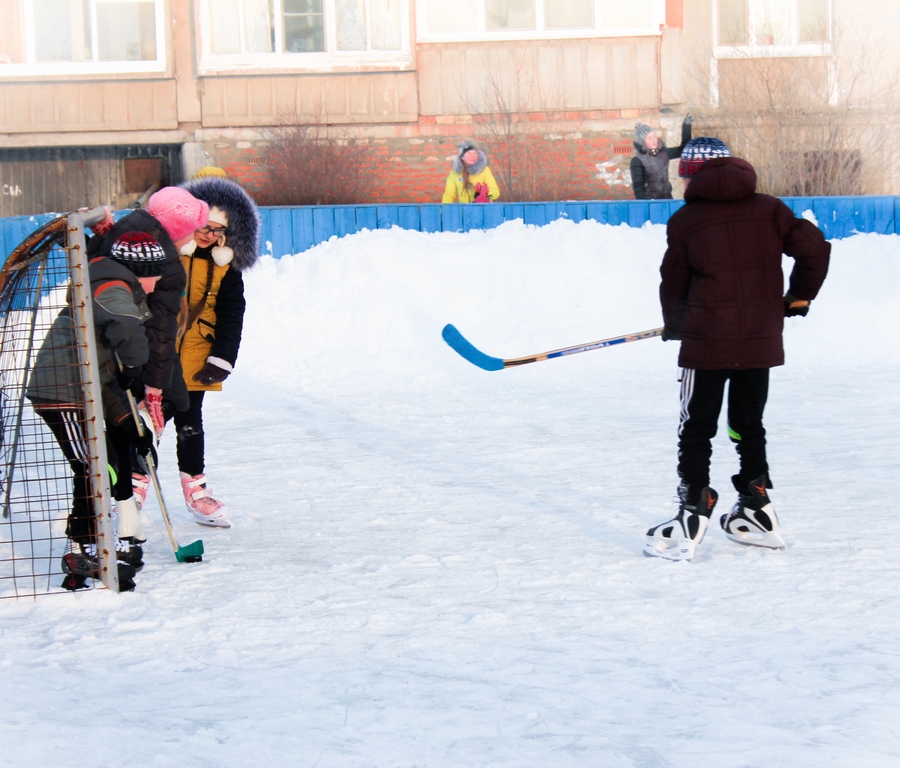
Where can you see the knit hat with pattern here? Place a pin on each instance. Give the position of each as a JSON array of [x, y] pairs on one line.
[[641, 131], [697, 151], [139, 252]]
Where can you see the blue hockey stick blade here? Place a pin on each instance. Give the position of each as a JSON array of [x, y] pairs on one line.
[[461, 345]]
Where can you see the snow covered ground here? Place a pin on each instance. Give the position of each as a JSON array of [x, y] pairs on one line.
[[433, 565]]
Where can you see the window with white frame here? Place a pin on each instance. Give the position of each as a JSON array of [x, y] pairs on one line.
[[775, 25], [443, 21], [82, 37], [301, 33]]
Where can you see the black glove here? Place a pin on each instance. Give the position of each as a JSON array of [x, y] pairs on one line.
[[794, 307], [669, 335], [210, 374], [688, 120], [142, 440], [129, 377]]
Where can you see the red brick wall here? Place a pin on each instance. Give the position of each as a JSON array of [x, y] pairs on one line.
[[413, 167]]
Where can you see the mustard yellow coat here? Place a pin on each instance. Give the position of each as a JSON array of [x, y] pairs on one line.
[[199, 337]]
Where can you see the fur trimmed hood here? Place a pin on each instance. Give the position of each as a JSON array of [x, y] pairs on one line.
[[477, 167], [242, 240]]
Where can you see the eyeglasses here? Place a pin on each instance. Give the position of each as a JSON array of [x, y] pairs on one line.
[[218, 231]]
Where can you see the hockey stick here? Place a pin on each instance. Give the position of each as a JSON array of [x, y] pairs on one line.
[[475, 356], [190, 553]]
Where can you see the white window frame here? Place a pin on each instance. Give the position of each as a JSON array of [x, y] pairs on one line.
[[539, 32], [756, 50], [31, 67], [329, 60]]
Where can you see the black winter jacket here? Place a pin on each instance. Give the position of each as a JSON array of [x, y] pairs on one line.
[[120, 311], [722, 280], [650, 169], [162, 370]]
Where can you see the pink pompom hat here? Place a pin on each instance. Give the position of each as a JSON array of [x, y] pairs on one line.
[[179, 212]]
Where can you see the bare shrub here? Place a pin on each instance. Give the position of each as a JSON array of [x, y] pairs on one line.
[[508, 113], [311, 163], [810, 125]]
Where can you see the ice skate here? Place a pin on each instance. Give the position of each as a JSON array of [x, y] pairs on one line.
[[200, 502], [752, 520], [676, 539], [80, 563]]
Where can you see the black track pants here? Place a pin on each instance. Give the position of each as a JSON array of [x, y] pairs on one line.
[[701, 401], [67, 426]]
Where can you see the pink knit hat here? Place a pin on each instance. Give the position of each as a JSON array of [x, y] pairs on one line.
[[179, 212]]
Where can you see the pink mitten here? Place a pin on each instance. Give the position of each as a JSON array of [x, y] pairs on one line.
[[153, 399], [102, 227]]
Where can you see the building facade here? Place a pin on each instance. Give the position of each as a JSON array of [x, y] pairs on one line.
[[113, 97]]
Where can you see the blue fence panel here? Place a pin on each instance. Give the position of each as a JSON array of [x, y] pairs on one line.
[[366, 218], [493, 216], [513, 211], [345, 221], [659, 211], [279, 231], [290, 230], [387, 216], [626, 213], [535, 214], [452, 217], [882, 219], [573, 211], [323, 223], [302, 227], [430, 218], [15, 229], [472, 217], [408, 217], [598, 212]]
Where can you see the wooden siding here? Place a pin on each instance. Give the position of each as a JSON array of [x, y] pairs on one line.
[[534, 76], [72, 106], [66, 178], [382, 97]]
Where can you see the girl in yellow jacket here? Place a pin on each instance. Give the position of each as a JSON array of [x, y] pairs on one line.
[[226, 247], [470, 180]]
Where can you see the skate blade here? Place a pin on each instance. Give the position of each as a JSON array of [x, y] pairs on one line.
[[207, 522], [764, 539], [669, 549]]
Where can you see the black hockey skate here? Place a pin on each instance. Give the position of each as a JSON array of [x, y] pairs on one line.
[[677, 538], [79, 563], [129, 551], [752, 520]]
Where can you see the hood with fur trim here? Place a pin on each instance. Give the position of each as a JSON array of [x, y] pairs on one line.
[[477, 167], [241, 246]]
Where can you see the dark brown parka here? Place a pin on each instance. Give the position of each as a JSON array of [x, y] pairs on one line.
[[722, 281]]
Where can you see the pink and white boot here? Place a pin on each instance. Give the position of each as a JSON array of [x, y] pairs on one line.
[[200, 502]]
